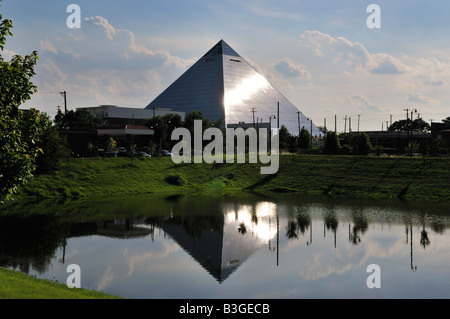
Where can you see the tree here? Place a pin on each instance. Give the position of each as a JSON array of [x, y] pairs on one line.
[[446, 120], [163, 127], [304, 139], [332, 144], [417, 125], [193, 116], [361, 144], [292, 144], [111, 144], [18, 148], [283, 137], [77, 118], [54, 147]]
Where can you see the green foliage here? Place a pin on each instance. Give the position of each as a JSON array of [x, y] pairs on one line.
[[20, 131], [292, 143], [175, 179], [366, 176], [77, 118], [361, 144], [418, 125], [304, 139], [283, 137], [112, 143], [438, 147], [193, 116], [54, 148], [165, 125], [332, 144]]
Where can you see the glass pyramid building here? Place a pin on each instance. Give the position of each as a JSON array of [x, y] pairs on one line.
[[222, 85]]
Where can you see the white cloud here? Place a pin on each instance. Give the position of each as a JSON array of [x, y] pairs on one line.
[[341, 54], [382, 63], [433, 71], [364, 103], [101, 64], [289, 69], [420, 98], [106, 280], [7, 54], [53, 74], [108, 28], [433, 82], [47, 46]]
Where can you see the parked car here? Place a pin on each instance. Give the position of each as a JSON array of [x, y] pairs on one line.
[[144, 149], [162, 153], [143, 154]]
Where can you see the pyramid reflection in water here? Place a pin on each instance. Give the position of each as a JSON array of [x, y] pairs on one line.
[[223, 244], [222, 85]]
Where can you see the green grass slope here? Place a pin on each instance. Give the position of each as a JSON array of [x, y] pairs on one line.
[[365, 176], [17, 285]]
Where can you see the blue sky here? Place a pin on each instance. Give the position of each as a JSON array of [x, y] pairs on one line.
[[320, 54]]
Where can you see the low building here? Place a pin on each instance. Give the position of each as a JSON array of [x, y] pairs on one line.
[[125, 125], [441, 131], [395, 142], [116, 115]]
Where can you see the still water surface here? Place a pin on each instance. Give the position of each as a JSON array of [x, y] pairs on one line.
[[250, 246]]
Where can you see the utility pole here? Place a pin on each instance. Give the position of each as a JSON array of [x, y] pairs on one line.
[[411, 144], [349, 124], [390, 123], [310, 120], [407, 124], [278, 115], [345, 124], [298, 119], [253, 111], [64, 94], [335, 123], [359, 117]]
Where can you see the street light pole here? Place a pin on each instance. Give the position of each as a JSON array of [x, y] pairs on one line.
[[270, 132], [310, 120], [278, 115], [407, 125], [64, 94]]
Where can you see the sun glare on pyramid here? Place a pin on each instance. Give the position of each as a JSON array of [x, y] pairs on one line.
[[258, 221], [245, 90]]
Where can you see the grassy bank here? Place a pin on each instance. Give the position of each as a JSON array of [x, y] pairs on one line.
[[367, 176], [17, 285]]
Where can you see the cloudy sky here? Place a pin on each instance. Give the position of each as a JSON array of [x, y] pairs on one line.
[[320, 54]]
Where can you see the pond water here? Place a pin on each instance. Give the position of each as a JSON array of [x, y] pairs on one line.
[[250, 246]]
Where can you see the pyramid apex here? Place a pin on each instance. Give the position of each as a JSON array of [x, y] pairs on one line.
[[221, 48]]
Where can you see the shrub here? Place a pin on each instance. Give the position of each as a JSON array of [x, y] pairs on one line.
[[175, 179]]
